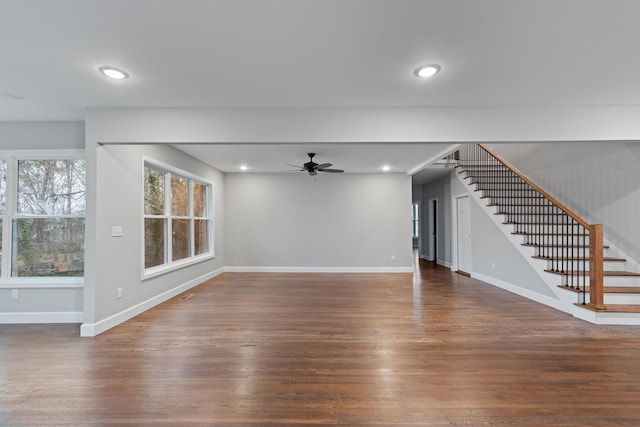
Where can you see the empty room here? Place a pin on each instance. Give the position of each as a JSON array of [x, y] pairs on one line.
[[319, 212]]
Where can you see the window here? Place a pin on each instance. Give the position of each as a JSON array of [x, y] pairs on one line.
[[42, 208], [415, 219], [177, 223]]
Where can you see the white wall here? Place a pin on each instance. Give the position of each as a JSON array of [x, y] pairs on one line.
[[597, 180], [489, 245], [52, 302], [493, 256], [318, 125], [345, 222], [41, 135], [116, 193]]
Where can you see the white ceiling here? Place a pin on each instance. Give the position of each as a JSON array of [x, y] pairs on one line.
[[315, 53]]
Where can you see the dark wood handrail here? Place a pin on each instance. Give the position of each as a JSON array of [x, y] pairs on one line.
[[552, 199]]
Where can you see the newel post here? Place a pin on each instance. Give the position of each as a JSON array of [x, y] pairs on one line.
[[596, 267]]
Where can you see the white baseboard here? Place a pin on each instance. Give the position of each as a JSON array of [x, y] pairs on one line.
[[42, 317], [93, 329], [238, 269], [534, 296], [444, 263]]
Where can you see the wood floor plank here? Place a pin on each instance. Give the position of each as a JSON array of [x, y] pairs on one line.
[[258, 349]]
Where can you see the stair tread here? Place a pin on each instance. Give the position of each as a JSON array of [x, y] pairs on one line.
[[613, 308], [512, 197], [501, 180], [534, 245], [522, 233], [610, 259], [533, 205], [608, 289], [540, 223], [532, 214], [610, 273]]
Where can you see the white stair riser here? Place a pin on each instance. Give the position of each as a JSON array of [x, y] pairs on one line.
[[608, 280], [584, 265], [524, 228], [622, 280], [621, 298], [628, 299], [573, 281], [556, 240], [523, 217]]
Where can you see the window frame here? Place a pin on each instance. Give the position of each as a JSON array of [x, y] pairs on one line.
[[170, 265], [11, 214]]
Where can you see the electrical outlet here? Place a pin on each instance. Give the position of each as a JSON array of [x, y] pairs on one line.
[[15, 293], [119, 293]]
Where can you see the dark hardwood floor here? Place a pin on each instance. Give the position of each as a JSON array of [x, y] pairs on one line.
[[246, 349]]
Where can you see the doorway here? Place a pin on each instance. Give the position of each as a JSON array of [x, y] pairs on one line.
[[463, 235], [433, 230]]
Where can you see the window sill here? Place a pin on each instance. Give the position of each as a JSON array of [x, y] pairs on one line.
[[152, 272], [42, 283]]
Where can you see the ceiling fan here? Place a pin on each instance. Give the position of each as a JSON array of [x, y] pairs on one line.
[[313, 168]]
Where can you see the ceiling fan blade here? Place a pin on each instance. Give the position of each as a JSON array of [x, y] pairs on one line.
[[323, 166], [331, 170], [294, 166]]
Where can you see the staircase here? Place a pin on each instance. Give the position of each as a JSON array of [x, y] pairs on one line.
[[570, 251]]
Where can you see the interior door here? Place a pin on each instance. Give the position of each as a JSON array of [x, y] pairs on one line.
[[463, 234]]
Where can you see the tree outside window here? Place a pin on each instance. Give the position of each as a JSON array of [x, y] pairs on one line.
[[176, 217], [47, 231]]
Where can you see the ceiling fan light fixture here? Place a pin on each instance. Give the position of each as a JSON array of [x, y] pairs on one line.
[[426, 71], [113, 72]]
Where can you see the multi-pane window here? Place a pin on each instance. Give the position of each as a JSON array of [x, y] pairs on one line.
[[176, 217], [42, 209], [415, 219], [3, 190]]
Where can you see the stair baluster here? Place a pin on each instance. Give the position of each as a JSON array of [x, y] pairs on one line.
[[562, 238]]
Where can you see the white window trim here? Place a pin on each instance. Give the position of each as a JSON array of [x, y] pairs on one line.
[[169, 266], [10, 213]]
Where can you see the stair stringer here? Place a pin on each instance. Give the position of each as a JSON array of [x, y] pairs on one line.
[[564, 302]]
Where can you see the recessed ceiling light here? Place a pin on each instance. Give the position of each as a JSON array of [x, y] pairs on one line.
[[11, 95], [427, 70], [113, 73], [386, 168], [244, 168]]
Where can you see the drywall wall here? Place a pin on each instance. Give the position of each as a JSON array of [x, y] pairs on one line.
[[493, 256], [317, 125], [597, 180], [439, 189], [41, 302], [118, 261], [295, 222], [41, 135]]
